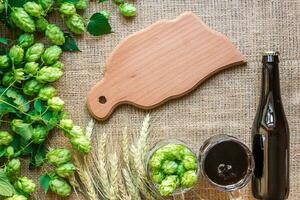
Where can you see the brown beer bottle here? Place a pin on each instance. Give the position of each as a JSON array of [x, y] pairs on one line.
[[270, 137]]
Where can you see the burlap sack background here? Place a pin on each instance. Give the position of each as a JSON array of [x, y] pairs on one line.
[[226, 103]]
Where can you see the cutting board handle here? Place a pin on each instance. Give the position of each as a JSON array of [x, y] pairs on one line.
[[103, 102]]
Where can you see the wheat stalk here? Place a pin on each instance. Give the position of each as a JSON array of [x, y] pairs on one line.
[[125, 146], [85, 179], [131, 188]]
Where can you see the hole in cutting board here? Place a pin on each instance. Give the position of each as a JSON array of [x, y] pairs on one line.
[[102, 99]]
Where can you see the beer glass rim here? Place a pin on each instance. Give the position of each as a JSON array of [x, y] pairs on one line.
[[212, 142]]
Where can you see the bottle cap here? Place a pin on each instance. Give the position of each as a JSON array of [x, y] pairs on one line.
[[271, 53], [270, 57]]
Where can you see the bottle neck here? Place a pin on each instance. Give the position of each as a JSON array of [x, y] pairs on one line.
[[271, 81]]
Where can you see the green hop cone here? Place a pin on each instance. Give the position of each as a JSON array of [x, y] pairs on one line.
[[8, 79], [31, 68], [81, 4], [189, 162], [19, 75], [67, 9], [39, 134], [81, 143], [54, 34], [58, 157], [169, 167], [51, 55], [170, 151], [41, 24], [5, 138], [74, 132], [4, 62], [180, 170], [119, 1], [16, 197], [75, 24], [60, 187], [58, 65], [16, 54], [25, 40], [56, 104], [9, 152], [157, 176], [33, 9], [32, 87], [34, 52], [48, 74], [25, 185], [67, 124], [127, 10], [168, 185], [2, 6], [13, 168], [188, 179], [156, 161], [47, 5], [47, 92], [13, 76], [105, 13], [22, 20], [65, 170]]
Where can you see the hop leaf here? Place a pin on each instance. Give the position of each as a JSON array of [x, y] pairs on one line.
[[17, 197], [98, 25]]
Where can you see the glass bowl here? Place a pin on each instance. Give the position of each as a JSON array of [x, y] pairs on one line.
[[159, 145]]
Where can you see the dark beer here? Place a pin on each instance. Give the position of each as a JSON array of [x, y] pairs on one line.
[[270, 137], [226, 163]]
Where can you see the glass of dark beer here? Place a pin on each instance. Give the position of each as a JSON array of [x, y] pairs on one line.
[[227, 164]]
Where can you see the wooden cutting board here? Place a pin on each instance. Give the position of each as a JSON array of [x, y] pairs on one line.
[[162, 62]]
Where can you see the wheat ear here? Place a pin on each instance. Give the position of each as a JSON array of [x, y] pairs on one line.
[[113, 175], [100, 169]]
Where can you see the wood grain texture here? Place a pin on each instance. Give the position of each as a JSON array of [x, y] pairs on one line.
[[164, 61]]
